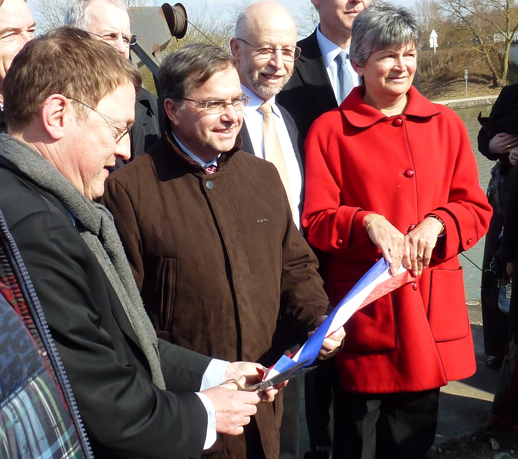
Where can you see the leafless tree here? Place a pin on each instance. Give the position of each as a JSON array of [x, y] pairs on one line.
[[492, 25], [49, 14], [306, 20]]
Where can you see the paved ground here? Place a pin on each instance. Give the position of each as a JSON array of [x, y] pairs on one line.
[[467, 102]]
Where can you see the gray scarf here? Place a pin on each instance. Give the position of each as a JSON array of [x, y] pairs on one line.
[[98, 231]]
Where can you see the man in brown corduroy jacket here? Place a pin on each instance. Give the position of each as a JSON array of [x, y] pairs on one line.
[[210, 237]]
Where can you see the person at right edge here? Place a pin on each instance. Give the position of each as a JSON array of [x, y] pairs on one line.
[[504, 412], [389, 174], [501, 147]]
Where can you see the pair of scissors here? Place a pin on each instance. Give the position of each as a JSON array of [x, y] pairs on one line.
[[286, 375]]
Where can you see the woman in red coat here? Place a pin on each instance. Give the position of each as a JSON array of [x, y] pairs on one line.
[[389, 174]]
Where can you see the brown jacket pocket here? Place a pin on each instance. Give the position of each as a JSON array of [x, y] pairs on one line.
[[447, 313], [166, 287]]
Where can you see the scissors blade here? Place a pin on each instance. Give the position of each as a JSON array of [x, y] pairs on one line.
[[286, 375]]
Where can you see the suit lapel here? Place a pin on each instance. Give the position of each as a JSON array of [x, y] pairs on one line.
[[294, 134], [247, 143], [311, 69], [138, 131]]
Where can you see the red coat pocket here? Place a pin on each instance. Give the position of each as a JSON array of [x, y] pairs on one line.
[[447, 314]]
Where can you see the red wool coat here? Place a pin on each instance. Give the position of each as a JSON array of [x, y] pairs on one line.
[[404, 167]]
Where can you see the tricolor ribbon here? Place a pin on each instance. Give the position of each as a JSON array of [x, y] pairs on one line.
[[375, 283]]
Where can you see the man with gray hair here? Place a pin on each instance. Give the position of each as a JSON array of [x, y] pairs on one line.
[[265, 52], [264, 47], [108, 20], [16, 28]]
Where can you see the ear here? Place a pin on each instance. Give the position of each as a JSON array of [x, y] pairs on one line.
[[53, 115], [235, 49], [171, 108], [357, 68]]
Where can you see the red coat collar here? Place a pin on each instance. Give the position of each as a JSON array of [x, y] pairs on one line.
[[361, 115]]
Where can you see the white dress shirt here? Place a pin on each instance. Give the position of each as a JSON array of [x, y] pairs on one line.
[[213, 376], [329, 52], [254, 125]]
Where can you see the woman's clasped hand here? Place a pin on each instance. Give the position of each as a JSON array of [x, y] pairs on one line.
[[412, 250]]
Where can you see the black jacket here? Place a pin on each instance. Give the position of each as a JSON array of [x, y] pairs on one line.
[[146, 130], [124, 413]]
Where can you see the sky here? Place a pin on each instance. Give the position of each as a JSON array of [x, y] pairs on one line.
[[226, 7], [293, 6]]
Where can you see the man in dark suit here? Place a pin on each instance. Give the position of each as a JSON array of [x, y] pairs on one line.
[[108, 20], [138, 396], [317, 84], [264, 47], [315, 87]]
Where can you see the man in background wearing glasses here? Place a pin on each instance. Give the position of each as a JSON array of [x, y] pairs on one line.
[[108, 20], [209, 235], [265, 52], [264, 47], [16, 28]]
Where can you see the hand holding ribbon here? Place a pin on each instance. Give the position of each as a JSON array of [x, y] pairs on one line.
[[377, 282]]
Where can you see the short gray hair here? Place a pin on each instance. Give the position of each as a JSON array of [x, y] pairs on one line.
[[242, 23], [78, 12], [189, 67], [382, 26]]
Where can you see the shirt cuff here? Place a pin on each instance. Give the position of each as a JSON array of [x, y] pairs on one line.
[[214, 374], [211, 436]]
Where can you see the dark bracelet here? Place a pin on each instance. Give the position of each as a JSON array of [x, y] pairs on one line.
[[440, 220]]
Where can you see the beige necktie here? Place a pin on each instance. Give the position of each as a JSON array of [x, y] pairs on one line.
[[272, 147]]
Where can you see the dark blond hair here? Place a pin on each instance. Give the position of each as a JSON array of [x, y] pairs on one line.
[[64, 61]]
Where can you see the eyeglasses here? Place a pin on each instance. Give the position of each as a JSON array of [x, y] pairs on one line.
[[118, 132], [14, 35], [268, 51], [112, 38], [215, 107]]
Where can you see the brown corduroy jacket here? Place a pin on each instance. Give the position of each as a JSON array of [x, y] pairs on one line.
[[218, 259]]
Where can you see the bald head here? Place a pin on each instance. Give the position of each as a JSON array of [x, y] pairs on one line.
[[262, 14], [264, 47]]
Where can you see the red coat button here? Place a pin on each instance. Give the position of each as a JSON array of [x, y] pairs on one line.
[[414, 286], [409, 173], [339, 241], [398, 122], [468, 242], [410, 228]]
